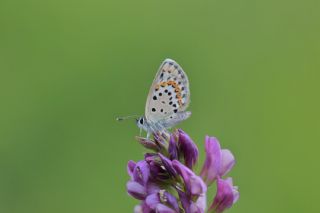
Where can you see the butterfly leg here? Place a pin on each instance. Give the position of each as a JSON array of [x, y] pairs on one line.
[[161, 130], [148, 135]]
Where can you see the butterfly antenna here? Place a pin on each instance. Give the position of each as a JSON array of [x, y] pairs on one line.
[[126, 117]]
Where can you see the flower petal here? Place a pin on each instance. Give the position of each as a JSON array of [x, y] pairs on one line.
[[192, 207], [141, 172], [130, 167], [198, 187], [136, 190], [160, 208], [227, 162], [195, 209], [138, 209], [147, 143], [188, 149], [168, 165], [152, 188], [212, 164], [162, 197], [173, 149], [170, 200], [193, 183], [185, 201], [152, 200], [226, 196], [202, 202]]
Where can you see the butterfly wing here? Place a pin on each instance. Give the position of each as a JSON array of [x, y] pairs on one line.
[[169, 95]]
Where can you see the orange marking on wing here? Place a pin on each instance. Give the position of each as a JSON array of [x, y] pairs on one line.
[[163, 84]]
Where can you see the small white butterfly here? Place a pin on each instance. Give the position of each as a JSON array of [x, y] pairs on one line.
[[168, 99]]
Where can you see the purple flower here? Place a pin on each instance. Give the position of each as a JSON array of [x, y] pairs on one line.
[[158, 170], [147, 143], [140, 186], [139, 191], [141, 172], [168, 166], [226, 196], [173, 148], [193, 183], [160, 140], [162, 197], [227, 162], [164, 181], [160, 208], [136, 190], [142, 208], [201, 203], [130, 167], [138, 209], [190, 206], [188, 149], [218, 162]]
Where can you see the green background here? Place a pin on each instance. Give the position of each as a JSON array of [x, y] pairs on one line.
[[68, 68]]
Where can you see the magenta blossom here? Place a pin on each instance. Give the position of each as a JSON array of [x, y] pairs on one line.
[[181, 147], [226, 196], [218, 161], [164, 198], [194, 185], [188, 149], [165, 182]]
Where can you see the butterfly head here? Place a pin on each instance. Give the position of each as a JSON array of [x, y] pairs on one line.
[[141, 122]]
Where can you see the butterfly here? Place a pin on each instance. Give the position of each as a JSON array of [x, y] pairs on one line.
[[168, 99]]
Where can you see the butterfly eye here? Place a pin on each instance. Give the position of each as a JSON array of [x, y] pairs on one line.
[[141, 121]]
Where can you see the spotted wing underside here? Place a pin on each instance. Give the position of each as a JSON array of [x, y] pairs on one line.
[[169, 95]]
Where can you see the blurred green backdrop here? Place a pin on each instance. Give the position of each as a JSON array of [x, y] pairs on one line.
[[68, 68]]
